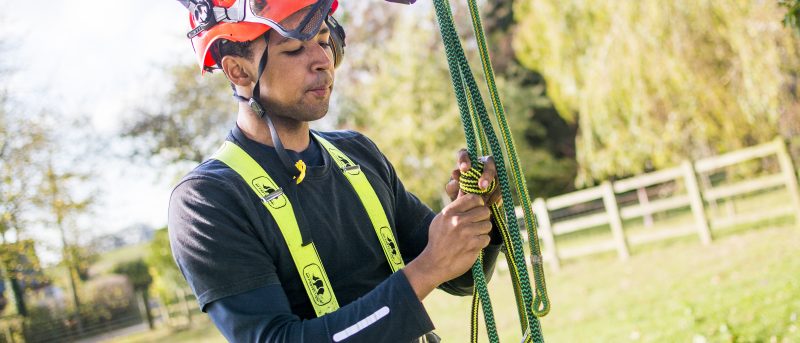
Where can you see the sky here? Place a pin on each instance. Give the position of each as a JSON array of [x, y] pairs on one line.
[[100, 59]]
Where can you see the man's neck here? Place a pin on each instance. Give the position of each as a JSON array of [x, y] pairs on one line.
[[293, 134]]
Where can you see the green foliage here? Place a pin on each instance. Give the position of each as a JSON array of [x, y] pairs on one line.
[[792, 17], [106, 298], [107, 261], [188, 122], [166, 276], [405, 103], [394, 87], [22, 141], [651, 83], [137, 272], [545, 142], [81, 258], [397, 90]]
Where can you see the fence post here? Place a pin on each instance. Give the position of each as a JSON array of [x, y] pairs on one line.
[[644, 202], [543, 219], [10, 334], [187, 310], [705, 181], [614, 220], [785, 160], [696, 202], [163, 313]]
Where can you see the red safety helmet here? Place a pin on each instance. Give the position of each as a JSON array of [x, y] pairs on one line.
[[246, 20]]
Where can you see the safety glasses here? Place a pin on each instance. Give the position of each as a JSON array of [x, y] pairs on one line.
[[267, 12]]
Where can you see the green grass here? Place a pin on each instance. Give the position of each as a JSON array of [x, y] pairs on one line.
[[203, 331], [109, 260], [742, 288]]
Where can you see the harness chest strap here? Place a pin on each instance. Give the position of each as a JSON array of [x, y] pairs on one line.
[[306, 258], [370, 201]]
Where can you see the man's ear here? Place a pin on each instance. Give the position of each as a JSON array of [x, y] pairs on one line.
[[235, 68]]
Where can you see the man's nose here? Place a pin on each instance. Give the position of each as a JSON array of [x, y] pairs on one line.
[[322, 57]]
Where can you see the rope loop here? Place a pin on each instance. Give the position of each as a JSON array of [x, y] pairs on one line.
[[541, 305], [469, 180]]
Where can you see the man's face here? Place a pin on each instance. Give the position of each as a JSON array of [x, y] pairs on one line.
[[298, 78]]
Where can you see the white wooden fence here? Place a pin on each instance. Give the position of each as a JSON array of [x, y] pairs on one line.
[[695, 197]]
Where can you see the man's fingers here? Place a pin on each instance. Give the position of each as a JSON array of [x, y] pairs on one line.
[[464, 163], [489, 172], [482, 241], [466, 202], [451, 188], [477, 214], [477, 229], [455, 175], [495, 197]]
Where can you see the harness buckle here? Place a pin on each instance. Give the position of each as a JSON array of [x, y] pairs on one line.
[[349, 167], [272, 196]]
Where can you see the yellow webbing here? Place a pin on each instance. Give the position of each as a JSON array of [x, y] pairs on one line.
[[370, 201], [306, 259]]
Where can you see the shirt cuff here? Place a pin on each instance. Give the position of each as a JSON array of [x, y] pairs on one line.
[[409, 300]]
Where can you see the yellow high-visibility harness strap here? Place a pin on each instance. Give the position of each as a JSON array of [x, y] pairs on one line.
[[306, 259], [370, 201]]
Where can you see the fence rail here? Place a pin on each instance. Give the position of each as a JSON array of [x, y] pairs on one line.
[[176, 315], [693, 197]]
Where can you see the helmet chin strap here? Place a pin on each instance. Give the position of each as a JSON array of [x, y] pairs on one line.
[[296, 169]]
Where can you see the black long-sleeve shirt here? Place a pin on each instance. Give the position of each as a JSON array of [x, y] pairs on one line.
[[231, 252]]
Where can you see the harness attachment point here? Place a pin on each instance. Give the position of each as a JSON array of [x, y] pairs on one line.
[[272, 196], [351, 167]]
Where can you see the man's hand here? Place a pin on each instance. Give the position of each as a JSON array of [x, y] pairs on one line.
[[489, 173], [455, 238]]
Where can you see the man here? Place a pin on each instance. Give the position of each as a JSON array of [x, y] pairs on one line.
[[291, 235]]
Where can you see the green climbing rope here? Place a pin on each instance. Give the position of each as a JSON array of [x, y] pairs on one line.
[[476, 121]]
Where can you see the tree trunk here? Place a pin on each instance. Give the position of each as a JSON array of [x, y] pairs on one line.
[[147, 312], [19, 296]]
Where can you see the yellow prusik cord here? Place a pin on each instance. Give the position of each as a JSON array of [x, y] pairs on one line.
[[301, 166]]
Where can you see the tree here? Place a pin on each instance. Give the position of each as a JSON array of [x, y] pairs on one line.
[[21, 265], [394, 86], [38, 182], [60, 202], [3, 300], [22, 143], [651, 83], [137, 272], [188, 122], [166, 276], [412, 119], [397, 90], [792, 17], [546, 142]]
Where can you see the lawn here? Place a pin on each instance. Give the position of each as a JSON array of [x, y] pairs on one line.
[[203, 331], [742, 288]]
